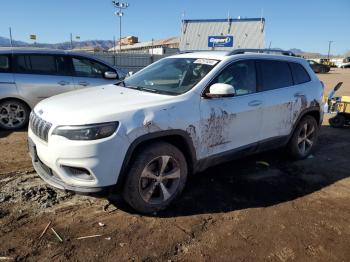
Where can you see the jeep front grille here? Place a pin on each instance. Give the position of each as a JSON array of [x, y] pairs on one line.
[[39, 126]]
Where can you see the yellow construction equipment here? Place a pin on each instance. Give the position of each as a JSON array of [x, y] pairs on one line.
[[340, 106]]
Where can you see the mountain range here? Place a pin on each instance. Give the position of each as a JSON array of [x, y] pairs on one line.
[[107, 44], [98, 44]]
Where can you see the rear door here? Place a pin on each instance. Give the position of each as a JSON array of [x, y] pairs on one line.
[[39, 76], [89, 73], [280, 98]]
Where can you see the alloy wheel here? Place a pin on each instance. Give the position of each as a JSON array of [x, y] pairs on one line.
[[12, 115], [306, 138], [159, 180]]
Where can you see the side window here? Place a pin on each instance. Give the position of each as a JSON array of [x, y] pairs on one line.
[[299, 74], [84, 67], [4, 64], [241, 75], [63, 65], [41, 64], [274, 74]]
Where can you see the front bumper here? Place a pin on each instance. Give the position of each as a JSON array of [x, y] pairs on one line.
[[101, 158], [49, 177]]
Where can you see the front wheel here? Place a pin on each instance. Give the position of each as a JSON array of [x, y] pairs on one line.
[[156, 178], [13, 114], [304, 138], [337, 121]]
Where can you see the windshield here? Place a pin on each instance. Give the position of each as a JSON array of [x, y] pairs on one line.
[[172, 76]]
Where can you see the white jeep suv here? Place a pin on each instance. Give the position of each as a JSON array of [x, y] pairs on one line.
[[176, 117]]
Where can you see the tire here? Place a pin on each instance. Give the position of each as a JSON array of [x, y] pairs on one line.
[[304, 138], [338, 121], [14, 114], [148, 187]]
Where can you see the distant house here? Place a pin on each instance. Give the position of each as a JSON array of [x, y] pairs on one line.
[[159, 47]]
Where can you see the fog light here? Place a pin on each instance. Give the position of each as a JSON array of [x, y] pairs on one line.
[[78, 172]]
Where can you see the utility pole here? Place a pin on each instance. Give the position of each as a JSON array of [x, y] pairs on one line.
[[10, 31], [71, 41], [120, 6], [329, 47], [114, 51]]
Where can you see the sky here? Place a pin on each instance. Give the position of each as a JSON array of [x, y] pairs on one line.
[[303, 24]]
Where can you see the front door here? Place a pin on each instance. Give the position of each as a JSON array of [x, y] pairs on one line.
[[229, 124], [90, 73]]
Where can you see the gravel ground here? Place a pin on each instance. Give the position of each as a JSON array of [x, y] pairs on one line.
[[290, 211]]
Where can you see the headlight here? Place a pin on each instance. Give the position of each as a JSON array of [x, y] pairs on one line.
[[86, 132]]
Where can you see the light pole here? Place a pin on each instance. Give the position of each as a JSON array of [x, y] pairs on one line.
[[120, 6], [71, 41], [10, 31], [329, 48]]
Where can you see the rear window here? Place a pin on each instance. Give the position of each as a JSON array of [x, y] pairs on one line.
[[4, 64], [41, 64], [300, 75], [274, 74]]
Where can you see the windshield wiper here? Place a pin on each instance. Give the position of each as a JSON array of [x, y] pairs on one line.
[[146, 89], [142, 88], [120, 82], [149, 90]]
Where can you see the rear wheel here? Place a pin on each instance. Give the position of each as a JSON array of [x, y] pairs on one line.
[[156, 178], [13, 114], [337, 121], [304, 138]]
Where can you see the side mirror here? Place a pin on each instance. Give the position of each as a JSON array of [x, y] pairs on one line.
[[221, 90], [130, 73], [110, 75]]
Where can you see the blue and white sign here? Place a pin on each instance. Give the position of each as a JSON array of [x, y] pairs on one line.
[[220, 41]]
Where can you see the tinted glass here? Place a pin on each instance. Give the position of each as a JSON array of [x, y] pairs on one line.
[[275, 74], [88, 68], [241, 75], [299, 73], [4, 63], [41, 64]]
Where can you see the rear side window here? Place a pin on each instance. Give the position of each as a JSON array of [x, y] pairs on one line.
[[274, 74], [41, 64], [4, 64], [299, 74]]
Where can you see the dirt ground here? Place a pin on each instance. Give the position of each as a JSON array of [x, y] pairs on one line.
[[290, 211]]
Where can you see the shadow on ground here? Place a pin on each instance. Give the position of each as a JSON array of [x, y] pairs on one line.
[[243, 184], [4, 133]]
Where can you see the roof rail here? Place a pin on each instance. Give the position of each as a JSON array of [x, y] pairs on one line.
[[267, 51]]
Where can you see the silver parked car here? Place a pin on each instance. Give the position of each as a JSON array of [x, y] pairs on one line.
[[29, 75]]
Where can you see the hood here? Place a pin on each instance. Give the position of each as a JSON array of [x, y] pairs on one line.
[[95, 105]]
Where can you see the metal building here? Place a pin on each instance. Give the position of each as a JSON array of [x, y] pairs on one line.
[[222, 34]]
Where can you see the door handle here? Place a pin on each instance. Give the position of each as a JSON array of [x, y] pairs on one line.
[[63, 83], [83, 83], [255, 103], [299, 94]]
